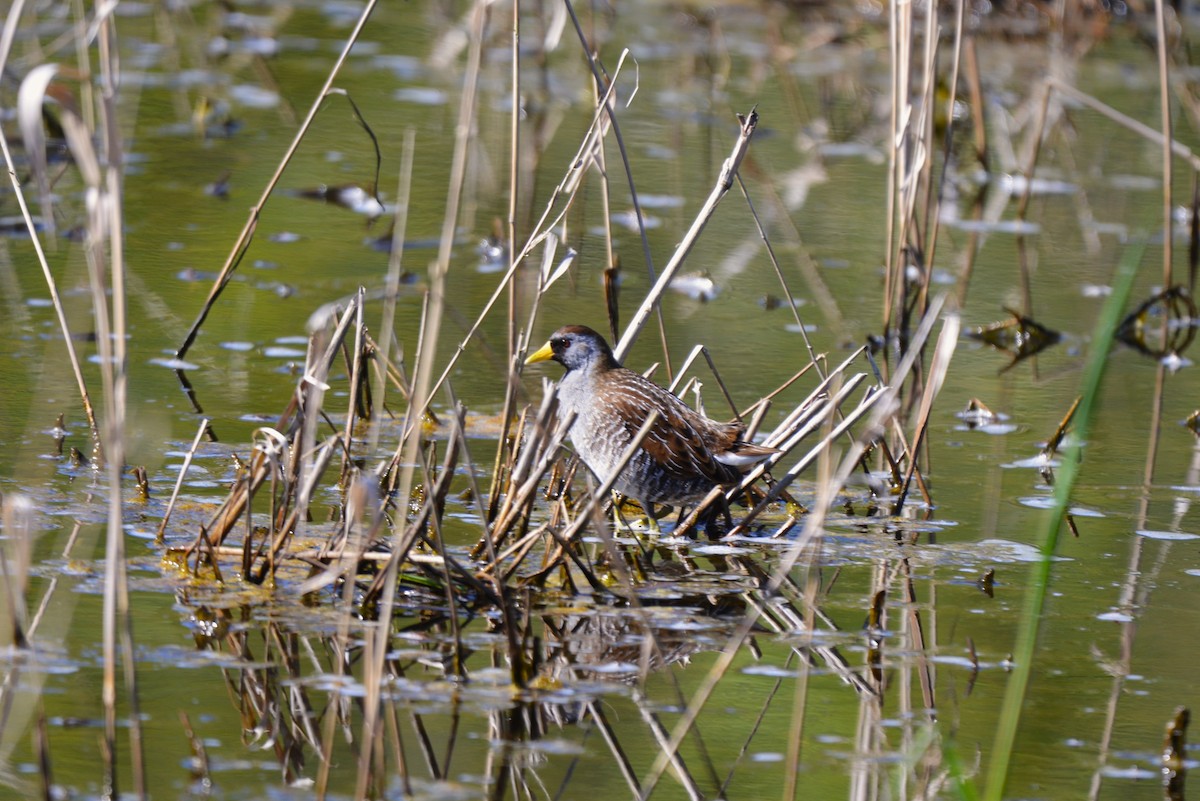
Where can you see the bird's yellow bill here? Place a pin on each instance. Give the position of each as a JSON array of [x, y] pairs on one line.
[[545, 353]]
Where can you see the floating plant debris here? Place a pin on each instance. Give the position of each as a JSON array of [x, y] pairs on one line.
[[220, 187], [976, 416], [697, 286], [1152, 534], [1175, 311], [1019, 336], [349, 196], [493, 249], [174, 364], [1174, 753]]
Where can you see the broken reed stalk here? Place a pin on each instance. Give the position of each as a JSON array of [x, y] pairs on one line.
[[323, 349], [724, 183], [242, 243], [496, 592], [506, 450], [534, 457], [505, 455], [390, 371], [187, 462], [798, 424], [543, 446], [288, 458], [314, 468], [940, 365], [826, 414]]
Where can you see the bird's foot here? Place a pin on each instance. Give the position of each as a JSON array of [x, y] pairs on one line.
[[648, 523]]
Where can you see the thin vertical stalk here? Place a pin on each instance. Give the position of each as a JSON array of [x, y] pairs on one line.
[[922, 173], [948, 147], [107, 228], [395, 270], [1164, 90], [55, 299], [1039, 573], [898, 47], [422, 380], [514, 161]]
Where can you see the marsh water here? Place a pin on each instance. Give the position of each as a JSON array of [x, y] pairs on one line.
[[210, 100]]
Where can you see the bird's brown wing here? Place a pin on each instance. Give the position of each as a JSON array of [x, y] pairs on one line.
[[681, 440]]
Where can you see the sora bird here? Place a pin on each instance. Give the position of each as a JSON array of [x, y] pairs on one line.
[[683, 456]]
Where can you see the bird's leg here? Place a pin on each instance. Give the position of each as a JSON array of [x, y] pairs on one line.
[[618, 521], [720, 507], [651, 520]]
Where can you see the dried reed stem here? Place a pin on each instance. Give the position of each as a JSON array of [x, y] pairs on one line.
[[1164, 96], [187, 462], [387, 330], [430, 331], [885, 407], [242, 243], [1124, 120], [52, 287], [724, 184], [944, 351]]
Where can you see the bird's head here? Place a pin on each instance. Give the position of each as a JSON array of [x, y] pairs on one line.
[[575, 347]]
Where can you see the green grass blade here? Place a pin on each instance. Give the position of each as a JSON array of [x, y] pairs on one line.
[[1023, 651]]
